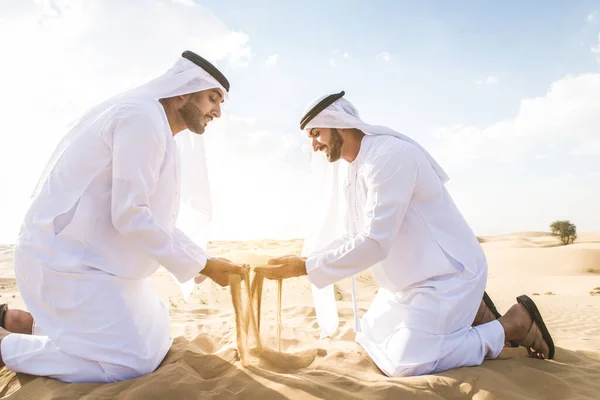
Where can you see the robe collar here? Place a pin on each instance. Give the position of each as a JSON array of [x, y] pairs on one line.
[[365, 145]]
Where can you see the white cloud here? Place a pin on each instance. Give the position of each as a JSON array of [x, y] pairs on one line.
[[527, 205], [385, 56], [242, 53], [272, 60], [566, 117], [590, 17], [490, 80], [263, 193], [338, 57]]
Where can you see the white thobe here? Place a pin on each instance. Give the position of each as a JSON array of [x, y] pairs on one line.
[[427, 261], [102, 225]]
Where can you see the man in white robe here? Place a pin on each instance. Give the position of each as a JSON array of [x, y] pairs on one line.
[[103, 220], [385, 207]]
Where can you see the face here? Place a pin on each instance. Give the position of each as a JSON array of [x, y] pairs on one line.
[[327, 140], [200, 108]]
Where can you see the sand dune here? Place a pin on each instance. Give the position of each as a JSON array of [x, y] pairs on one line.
[[203, 363], [521, 253]]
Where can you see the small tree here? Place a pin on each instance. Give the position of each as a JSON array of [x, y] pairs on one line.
[[565, 230]]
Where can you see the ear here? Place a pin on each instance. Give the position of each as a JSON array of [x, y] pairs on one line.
[[180, 100]]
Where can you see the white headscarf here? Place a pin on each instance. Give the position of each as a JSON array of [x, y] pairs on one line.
[[184, 77], [329, 213]]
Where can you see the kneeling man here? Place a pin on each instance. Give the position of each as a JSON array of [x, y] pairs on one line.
[[385, 207], [103, 221]]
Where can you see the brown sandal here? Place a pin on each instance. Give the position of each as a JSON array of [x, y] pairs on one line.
[[538, 332], [487, 311], [3, 310]]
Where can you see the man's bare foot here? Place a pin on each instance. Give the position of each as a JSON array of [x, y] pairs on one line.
[[517, 323], [487, 312], [18, 321]]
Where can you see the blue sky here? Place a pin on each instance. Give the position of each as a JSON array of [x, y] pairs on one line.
[[504, 94], [437, 49]]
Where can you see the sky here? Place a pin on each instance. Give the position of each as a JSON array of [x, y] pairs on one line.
[[505, 95]]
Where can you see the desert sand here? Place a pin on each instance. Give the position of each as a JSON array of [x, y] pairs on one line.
[[204, 363]]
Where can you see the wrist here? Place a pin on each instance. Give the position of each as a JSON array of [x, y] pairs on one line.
[[302, 267], [208, 267]]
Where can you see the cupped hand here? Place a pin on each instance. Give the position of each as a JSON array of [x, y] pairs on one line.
[[283, 268], [219, 269]]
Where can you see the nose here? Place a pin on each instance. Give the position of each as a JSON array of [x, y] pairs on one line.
[[217, 111], [315, 144]]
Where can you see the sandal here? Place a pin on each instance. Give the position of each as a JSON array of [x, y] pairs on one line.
[[3, 310], [538, 332]]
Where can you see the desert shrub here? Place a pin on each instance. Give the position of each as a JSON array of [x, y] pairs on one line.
[[565, 230]]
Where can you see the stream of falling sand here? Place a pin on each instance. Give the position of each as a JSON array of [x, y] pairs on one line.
[[247, 321]]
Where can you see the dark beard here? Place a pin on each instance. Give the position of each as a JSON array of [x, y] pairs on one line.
[[192, 117], [335, 146]]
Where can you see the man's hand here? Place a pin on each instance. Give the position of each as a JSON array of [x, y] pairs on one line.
[[283, 268], [219, 269]]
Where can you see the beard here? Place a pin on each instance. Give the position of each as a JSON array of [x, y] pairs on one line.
[[335, 146], [193, 117]]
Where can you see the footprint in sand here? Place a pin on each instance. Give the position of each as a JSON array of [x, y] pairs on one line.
[[595, 291]]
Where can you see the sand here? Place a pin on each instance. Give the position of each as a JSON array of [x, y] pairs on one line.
[[204, 361]]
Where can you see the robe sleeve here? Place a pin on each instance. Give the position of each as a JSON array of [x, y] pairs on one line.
[[390, 186], [139, 148]]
